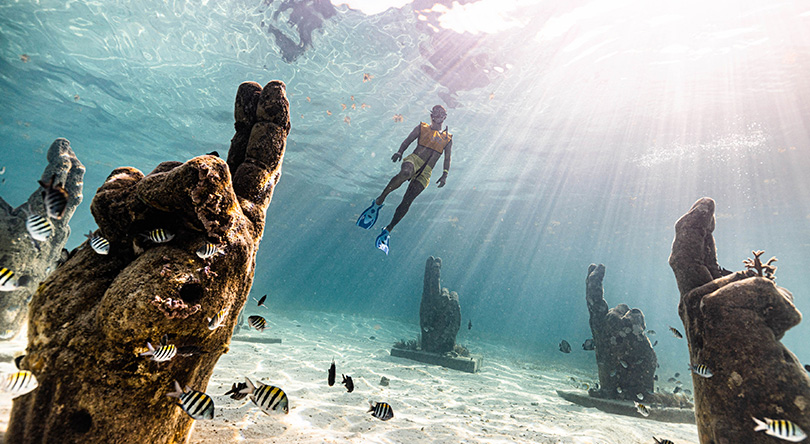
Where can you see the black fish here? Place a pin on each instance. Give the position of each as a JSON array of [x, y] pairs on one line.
[[469, 325], [55, 198], [677, 374], [655, 377], [213, 153], [261, 301], [331, 378], [676, 333], [18, 361], [807, 367], [235, 389], [347, 381], [677, 389], [381, 410], [588, 345], [565, 347], [655, 343]]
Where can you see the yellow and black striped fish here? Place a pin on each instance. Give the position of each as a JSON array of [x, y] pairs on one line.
[[55, 198], [208, 250], [780, 428], [381, 410], [159, 235], [98, 243], [40, 228], [7, 280], [19, 383], [701, 370], [216, 321], [269, 398], [257, 322], [165, 353], [198, 405]]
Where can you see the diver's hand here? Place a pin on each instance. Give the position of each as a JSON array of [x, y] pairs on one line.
[[442, 180], [396, 157]]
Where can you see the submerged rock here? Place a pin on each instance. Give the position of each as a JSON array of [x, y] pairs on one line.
[[624, 355], [439, 311], [734, 323], [32, 260], [91, 318]]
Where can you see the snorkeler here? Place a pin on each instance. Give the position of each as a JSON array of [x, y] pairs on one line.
[[416, 168]]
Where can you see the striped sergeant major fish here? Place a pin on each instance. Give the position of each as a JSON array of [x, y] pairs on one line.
[[7, 280], [701, 370], [218, 319], [99, 244], [55, 198], [40, 228], [381, 410], [19, 383], [257, 322], [208, 250], [269, 398], [642, 409], [159, 235], [780, 428], [198, 405], [662, 441], [165, 353]]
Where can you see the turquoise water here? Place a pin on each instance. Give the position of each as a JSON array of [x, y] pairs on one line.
[[582, 131]]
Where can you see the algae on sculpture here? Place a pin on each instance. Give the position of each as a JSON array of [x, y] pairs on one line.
[[30, 259], [733, 323], [94, 315]]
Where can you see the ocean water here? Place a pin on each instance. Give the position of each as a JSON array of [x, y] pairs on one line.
[[582, 131]]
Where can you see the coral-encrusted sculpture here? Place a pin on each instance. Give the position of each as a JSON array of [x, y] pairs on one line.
[[34, 260], [733, 324], [439, 311], [91, 318]]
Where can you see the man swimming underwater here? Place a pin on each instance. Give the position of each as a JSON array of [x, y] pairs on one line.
[[417, 167]]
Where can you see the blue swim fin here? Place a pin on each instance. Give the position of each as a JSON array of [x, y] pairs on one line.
[[382, 241], [369, 216]]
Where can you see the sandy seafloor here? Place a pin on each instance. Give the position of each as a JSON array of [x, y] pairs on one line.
[[511, 400]]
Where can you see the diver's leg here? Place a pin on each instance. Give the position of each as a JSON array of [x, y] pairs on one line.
[[404, 173], [413, 190]]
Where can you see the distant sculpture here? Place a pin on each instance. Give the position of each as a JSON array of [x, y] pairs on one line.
[[93, 316], [439, 312], [733, 324], [624, 355], [32, 260]]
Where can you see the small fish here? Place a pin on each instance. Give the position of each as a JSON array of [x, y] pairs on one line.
[[618, 390], [218, 319], [623, 363], [671, 380], [807, 367], [700, 370], [165, 353], [261, 301], [159, 235], [676, 333], [367, 77], [381, 410], [588, 345], [213, 153], [55, 198], [676, 390], [198, 405], [655, 377], [469, 325], [780, 428], [655, 343], [236, 391], [640, 396], [677, 374], [2, 170], [98, 243], [662, 441], [688, 392], [19, 383], [651, 332], [267, 397], [7, 280], [208, 250], [565, 347], [331, 378], [347, 381], [40, 228], [642, 409], [257, 322]]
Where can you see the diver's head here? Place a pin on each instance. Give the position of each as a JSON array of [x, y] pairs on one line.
[[438, 114]]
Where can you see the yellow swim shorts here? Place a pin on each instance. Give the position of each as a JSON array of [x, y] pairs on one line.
[[417, 162]]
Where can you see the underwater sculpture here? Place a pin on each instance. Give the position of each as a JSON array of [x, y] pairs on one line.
[[93, 316], [439, 312], [733, 324], [32, 260], [624, 355]]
